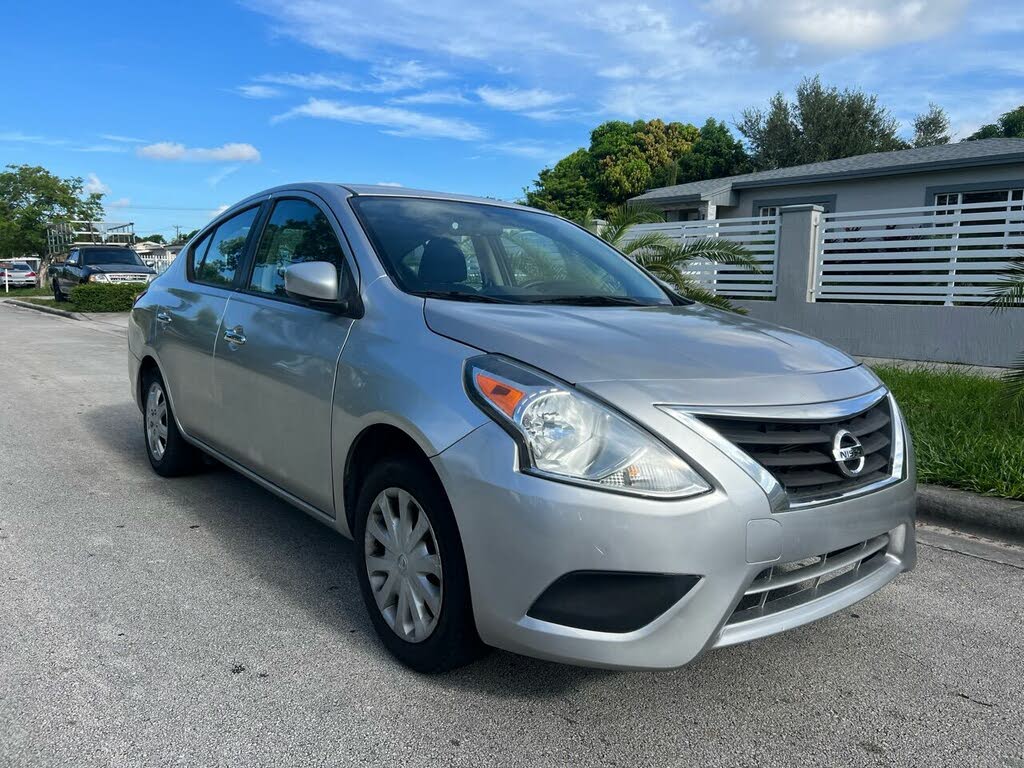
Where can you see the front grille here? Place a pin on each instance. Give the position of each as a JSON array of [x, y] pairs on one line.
[[126, 277], [789, 584], [799, 453]]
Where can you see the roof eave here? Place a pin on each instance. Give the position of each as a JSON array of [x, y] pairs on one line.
[[934, 166]]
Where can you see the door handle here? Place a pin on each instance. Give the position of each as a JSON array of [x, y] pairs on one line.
[[234, 335], [163, 317]]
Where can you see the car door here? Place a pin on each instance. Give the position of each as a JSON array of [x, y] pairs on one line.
[[188, 318], [276, 357], [69, 273]]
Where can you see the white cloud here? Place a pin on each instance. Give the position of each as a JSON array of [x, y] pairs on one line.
[[113, 148], [516, 100], [258, 91], [310, 81], [403, 75], [170, 150], [389, 184], [222, 174], [17, 137], [93, 186], [663, 58], [533, 150], [393, 120], [122, 139], [854, 25], [432, 97], [121, 202], [619, 72], [386, 77], [219, 210]]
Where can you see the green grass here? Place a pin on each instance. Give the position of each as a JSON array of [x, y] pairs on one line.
[[966, 432], [21, 293]]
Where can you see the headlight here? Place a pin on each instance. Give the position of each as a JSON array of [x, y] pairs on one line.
[[98, 277], [565, 435]]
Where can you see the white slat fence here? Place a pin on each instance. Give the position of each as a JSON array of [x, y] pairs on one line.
[[160, 263], [939, 254], [759, 235]]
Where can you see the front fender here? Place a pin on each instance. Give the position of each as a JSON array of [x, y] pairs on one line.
[[402, 374]]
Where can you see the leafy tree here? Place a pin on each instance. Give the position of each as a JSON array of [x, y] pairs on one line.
[[1009, 126], [31, 198], [568, 189], [154, 238], [664, 257], [823, 123], [931, 127], [715, 154], [623, 160], [186, 237]]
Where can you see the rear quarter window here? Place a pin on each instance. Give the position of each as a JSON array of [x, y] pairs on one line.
[[215, 259]]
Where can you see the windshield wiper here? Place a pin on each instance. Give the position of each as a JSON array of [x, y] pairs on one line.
[[594, 301], [463, 296]]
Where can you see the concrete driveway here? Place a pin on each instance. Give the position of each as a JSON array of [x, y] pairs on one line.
[[202, 622]]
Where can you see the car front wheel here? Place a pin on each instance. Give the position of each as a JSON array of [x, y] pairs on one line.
[[411, 569]]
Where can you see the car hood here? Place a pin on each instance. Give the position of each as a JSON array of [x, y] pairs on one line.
[[675, 354], [133, 269]]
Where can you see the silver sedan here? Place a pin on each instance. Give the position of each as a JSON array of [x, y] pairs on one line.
[[535, 444], [17, 274]]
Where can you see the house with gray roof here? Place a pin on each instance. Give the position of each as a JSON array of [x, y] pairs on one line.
[[990, 170]]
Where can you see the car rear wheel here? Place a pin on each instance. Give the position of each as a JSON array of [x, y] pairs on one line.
[[57, 295], [411, 569], [169, 453]]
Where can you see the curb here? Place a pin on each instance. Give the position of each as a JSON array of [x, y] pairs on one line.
[[971, 511], [47, 310]]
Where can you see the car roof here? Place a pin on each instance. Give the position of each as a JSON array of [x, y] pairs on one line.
[[332, 189]]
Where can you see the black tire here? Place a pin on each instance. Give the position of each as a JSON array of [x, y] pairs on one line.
[[454, 641], [57, 295], [179, 457]]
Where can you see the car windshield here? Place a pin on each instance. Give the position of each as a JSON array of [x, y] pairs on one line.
[[98, 256], [22, 267], [477, 252]]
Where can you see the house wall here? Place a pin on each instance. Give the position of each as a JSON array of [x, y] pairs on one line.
[[902, 191], [955, 334]]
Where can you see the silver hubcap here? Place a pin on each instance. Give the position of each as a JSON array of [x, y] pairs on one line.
[[403, 564], [156, 421]]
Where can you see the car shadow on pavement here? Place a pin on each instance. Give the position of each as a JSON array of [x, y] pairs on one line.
[[305, 562]]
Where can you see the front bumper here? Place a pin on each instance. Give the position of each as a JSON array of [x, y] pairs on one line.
[[521, 533]]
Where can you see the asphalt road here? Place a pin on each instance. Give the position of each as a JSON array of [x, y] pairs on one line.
[[202, 622]]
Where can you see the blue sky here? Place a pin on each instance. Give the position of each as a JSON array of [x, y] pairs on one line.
[[177, 109]]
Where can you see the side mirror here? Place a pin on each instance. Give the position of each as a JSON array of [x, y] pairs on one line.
[[150, 264], [313, 281]]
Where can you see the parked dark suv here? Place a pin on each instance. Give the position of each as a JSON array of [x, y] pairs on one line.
[[98, 264]]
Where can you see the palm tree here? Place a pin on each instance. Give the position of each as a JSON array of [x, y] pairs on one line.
[[1009, 295], [664, 257]]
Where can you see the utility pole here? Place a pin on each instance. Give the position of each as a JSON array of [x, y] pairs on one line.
[[177, 232]]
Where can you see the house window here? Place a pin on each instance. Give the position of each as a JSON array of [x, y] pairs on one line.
[[768, 210], [998, 196], [1002, 200]]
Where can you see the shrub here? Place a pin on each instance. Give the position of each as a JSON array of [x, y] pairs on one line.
[[96, 297]]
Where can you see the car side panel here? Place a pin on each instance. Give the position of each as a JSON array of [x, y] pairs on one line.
[[275, 391], [396, 371], [184, 346]]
